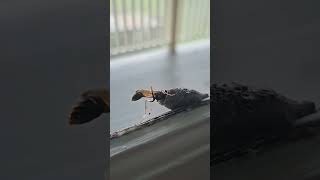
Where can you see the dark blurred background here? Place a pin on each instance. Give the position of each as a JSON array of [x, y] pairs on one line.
[[51, 51], [268, 44]]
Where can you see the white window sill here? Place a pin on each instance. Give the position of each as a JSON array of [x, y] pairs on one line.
[[153, 152]]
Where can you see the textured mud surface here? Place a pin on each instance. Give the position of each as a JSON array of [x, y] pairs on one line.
[[181, 97]]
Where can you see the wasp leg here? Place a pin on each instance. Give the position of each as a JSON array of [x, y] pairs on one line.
[[145, 107], [153, 98]]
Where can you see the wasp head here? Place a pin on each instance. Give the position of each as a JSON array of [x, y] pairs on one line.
[[138, 95]]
